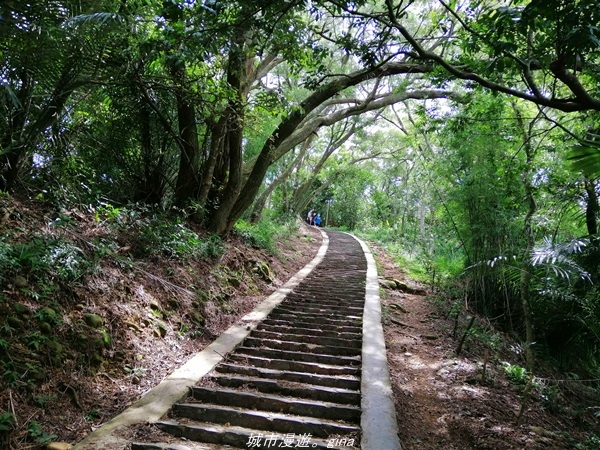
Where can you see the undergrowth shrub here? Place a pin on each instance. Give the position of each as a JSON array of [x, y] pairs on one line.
[[176, 241], [43, 258], [264, 233]]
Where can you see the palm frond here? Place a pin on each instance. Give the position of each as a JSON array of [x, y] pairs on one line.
[[556, 258], [98, 19], [585, 157]]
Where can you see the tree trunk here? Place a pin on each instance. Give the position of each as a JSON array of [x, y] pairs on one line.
[[528, 233], [186, 186], [218, 221], [591, 207]]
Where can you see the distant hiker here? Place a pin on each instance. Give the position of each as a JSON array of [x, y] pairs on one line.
[[318, 220], [310, 217]]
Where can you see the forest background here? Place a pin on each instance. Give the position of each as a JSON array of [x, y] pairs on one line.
[[463, 135]]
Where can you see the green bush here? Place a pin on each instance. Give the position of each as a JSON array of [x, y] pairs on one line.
[[174, 240], [515, 374], [264, 233], [43, 259]]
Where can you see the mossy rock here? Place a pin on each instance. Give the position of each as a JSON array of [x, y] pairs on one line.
[[93, 320], [234, 281], [46, 328], [198, 318], [55, 347], [174, 303], [20, 281], [262, 269], [132, 325], [96, 359], [155, 305], [388, 284], [14, 322], [47, 314], [98, 344], [21, 310], [59, 446], [161, 329]]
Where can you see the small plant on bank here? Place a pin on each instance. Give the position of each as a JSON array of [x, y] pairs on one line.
[[7, 421], [37, 434], [516, 374]]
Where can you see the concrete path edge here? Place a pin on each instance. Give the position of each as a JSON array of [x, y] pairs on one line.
[[379, 424], [158, 400]]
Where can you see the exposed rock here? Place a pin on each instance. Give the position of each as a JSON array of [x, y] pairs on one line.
[[132, 325], [21, 310], [14, 322], [58, 446], [20, 281], [161, 329], [45, 328], [93, 320], [398, 307], [48, 315], [387, 284]]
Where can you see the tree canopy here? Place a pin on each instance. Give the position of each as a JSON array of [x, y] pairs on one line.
[[463, 133]]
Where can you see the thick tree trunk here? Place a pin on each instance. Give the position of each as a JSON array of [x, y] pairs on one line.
[[218, 221]]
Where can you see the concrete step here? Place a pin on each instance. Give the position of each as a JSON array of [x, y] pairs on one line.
[[187, 445], [247, 438], [291, 389], [308, 338], [344, 382], [301, 347], [340, 314], [261, 420], [341, 328], [285, 328], [355, 321], [300, 356], [297, 366], [287, 405], [333, 301]]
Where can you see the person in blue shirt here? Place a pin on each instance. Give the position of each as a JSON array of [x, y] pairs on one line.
[[318, 220]]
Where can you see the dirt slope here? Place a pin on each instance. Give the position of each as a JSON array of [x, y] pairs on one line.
[[442, 400]]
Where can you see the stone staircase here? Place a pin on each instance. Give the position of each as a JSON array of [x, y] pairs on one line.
[[295, 380]]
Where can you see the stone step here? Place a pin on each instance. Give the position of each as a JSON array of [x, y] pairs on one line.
[[355, 321], [297, 366], [285, 328], [301, 347], [308, 338], [248, 438], [300, 298], [261, 420], [319, 305], [342, 328], [187, 445], [346, 382], [291, 389], [287, 405], [300, 356], [340, 314]]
